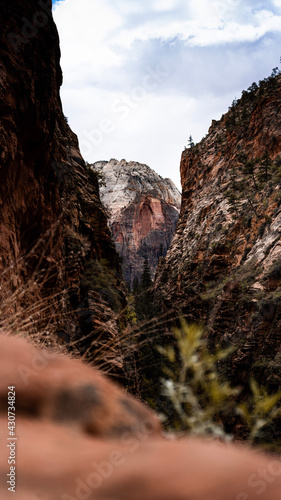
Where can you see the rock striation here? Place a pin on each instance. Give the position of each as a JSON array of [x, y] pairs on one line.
[[81, 437], [143, 210], [224, 265], [59, 268]]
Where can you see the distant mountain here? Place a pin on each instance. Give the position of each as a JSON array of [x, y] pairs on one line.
[[143, 210]]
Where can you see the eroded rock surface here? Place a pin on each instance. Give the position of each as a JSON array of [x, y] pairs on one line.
[[59, 268], [224, 265], [143, 210], [81, 437], [66, 391]]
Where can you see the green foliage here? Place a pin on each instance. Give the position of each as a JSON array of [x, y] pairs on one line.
[[202, 398], [95, 175], [260, 410], [136, 287], [190, 142], [101, 278], [196, 390], [128, 315], [261, 229], [146, 281], [268, 366], [240, 111], [277, 199], [274, 270], [251, 183], [142, 292], [244, 277]]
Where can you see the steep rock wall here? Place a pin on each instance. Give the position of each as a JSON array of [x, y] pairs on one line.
[[223, 266], [55, 244]]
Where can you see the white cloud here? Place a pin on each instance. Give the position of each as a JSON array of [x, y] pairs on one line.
[[208, 23], [84, 26], [111, 52]]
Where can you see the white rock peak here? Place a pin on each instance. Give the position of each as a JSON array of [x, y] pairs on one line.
[[122, 181]]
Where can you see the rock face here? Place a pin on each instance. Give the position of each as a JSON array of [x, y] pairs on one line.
[[224, 265], [78, 436], [143, 210], [56, 252]]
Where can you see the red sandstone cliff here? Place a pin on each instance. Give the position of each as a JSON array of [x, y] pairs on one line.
[[224, 265], [143, 210], [59, 268]]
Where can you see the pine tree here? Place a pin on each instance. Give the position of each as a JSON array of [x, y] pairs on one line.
[[143, 294], [146, 280], [136, 286], [190, 142]]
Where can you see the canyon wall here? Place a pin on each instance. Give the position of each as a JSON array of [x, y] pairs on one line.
[[59, 269], [143, 210], [224, 265]]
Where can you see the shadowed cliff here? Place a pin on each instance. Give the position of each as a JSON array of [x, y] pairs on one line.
[[54, 240]]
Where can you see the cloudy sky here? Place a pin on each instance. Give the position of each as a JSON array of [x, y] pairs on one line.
[[140, 76]]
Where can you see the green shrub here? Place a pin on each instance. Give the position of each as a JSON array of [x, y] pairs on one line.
[[202, 398], [101, 278], [274, 270], [261, 229], [194, 387]]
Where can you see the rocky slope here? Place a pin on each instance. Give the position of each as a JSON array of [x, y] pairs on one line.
[[143, 210], [59, 269], [81, 437], [224, 265]]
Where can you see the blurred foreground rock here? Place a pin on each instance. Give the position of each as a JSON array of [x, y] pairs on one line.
[[81, 437]]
